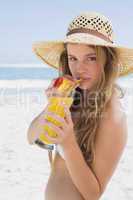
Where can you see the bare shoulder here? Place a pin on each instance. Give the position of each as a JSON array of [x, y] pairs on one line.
[[114, 111], [110, 142], [114, 121]]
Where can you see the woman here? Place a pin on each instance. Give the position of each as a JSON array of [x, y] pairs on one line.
[[91, 141]]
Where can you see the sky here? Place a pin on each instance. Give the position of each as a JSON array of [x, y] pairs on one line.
[[24, 22]]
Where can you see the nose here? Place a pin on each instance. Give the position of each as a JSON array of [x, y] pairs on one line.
[[81, 67]]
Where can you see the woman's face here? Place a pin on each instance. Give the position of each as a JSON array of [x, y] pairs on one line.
[[83, 64]]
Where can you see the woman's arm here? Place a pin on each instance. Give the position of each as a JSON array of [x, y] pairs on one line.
[[109, 146], [81, 174]]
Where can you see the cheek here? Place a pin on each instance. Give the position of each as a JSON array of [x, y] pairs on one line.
[[97, 71], [71, 68]]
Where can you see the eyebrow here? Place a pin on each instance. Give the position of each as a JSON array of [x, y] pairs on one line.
[[89, 54]]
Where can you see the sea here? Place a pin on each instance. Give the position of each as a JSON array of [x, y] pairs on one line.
[[33, 81]]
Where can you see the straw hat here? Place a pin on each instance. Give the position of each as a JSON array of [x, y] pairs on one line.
[[87, 28]]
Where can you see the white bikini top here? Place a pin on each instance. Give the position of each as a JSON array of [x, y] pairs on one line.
[[59, 149]]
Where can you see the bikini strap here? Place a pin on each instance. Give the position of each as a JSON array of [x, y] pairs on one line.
[[49, 148], [52, 155]]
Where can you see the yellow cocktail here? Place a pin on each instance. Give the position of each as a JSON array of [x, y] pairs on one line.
[[64, 86]]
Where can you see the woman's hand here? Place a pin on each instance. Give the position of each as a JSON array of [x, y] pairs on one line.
[[50, 91], [65, 133]]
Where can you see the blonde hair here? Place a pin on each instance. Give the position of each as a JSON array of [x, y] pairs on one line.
[[97, 99]]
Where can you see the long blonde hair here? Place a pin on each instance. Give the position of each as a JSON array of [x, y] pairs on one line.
[[89, 113]]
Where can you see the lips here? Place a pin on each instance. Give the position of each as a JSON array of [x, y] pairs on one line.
[[84, 78], [88, 78]]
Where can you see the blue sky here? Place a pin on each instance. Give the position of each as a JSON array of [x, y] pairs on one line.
[[23, 22]]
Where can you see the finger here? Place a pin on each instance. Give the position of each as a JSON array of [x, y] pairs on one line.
[[57, 117], [48, 94], [51, 92], [54, 127], [51, 139], [67, 113]]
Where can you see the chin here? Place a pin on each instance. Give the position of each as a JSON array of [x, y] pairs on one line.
[[84, 87]]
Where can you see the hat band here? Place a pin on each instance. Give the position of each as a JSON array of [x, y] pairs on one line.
[[89, 31]]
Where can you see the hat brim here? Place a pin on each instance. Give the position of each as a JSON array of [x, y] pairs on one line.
[[50, 51]]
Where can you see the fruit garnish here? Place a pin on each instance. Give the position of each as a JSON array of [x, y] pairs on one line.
[[65, 85], [58, 82]]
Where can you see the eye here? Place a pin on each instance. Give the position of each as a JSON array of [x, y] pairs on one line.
[[91, 58], [71, 58]]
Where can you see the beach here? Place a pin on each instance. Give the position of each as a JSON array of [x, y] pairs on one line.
[[24, 168], [33, 36]]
